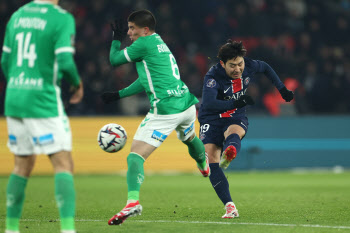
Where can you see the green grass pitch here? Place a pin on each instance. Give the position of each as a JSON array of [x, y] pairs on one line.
[[267, 202]]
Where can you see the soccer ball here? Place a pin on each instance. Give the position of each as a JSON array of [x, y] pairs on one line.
[[112, 137]]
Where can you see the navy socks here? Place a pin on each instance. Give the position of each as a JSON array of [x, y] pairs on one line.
[[220, 183], [233, 140]]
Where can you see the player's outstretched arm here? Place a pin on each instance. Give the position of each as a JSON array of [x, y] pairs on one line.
[[133, 89], [286, 94]]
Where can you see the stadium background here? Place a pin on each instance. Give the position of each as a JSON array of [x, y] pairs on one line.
[[305, 41]]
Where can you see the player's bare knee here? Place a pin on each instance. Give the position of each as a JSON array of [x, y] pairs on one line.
[[24, 165], [234, 129], [62, 161]]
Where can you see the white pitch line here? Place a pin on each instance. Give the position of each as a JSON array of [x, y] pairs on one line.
[[199, 222], [247, 223]]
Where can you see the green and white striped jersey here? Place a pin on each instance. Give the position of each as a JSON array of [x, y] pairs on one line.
[[158, 73], [35, 35]]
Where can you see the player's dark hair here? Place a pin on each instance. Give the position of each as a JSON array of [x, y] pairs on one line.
[[143, 18], [230, 50]]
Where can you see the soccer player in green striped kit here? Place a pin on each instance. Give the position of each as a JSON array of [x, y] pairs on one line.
[[37, 53], [172, 105]]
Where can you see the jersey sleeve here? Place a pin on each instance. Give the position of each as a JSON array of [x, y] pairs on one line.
[[263, 67], [6, 51], [133, 89], [66, 65], [134, 53], [116, 56], [64, 49], [209, 97], [7, 47], [65, 35], [137, 50]]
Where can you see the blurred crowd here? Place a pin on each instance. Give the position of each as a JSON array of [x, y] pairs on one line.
[[307, 43]]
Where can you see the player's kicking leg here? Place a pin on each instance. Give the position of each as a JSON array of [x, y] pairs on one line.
[[232, 145], [228, 155]]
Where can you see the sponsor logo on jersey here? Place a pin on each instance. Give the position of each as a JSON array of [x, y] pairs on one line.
[[25, 82], [178, 91], [246, 80], [236, 95], [158, 136], [211, 83], [189, 129]]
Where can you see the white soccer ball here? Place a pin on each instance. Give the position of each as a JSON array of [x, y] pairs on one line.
[[112, 137]]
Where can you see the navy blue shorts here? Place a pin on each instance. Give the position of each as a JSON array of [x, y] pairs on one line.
[[213, 131]]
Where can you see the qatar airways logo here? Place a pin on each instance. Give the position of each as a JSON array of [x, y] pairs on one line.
[[236, 95]]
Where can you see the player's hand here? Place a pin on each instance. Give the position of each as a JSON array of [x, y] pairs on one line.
[[286, 94], [243, 101], [119, 30], [109, 97], [78, 93]]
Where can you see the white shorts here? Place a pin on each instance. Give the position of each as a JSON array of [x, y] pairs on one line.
[[33, 136], [154, 129]]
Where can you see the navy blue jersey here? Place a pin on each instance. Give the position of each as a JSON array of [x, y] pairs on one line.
[[220, 91]]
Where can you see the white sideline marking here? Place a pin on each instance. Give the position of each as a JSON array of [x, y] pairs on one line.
[[198, 222]]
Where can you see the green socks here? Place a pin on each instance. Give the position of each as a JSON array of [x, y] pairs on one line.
[[197, 151], [135, 175], [14, 203], [65, 198]]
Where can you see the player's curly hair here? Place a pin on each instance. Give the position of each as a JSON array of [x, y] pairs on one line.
[[143, 18], [230, 50]]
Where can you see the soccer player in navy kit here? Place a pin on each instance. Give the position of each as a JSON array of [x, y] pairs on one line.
[[222, 115]]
